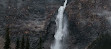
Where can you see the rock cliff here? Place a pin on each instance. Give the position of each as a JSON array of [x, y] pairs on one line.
[[86, 20]]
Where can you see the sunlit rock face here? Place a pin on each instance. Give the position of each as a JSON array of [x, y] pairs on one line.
[[87, 20]]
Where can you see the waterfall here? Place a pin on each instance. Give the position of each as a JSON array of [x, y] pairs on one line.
[[61, 24]]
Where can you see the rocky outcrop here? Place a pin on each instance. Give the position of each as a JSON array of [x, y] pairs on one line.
[[102, 42], [84, 24], [86, 20]]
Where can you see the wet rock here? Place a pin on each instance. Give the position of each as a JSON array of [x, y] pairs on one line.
[[37, 17]]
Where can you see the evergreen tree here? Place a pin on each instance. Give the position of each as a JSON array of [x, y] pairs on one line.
[[27, 44], [22, 43], [17, 44], [7, 39], [40, 43]]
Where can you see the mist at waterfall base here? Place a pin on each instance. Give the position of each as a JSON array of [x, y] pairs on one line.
[[61, 33]]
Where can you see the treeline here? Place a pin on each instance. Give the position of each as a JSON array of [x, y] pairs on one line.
[[21, 43]]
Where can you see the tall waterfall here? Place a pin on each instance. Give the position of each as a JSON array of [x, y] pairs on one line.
[[61, 24]]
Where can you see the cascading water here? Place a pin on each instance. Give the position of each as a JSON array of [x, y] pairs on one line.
[[61, 32]]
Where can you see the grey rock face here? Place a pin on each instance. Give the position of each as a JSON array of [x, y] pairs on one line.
[[37, 17]]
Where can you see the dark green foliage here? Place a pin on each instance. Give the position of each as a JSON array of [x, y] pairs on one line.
[[22, 43], [102, 42], [17, 44], [7, 39], [40, 43], [27, 44]]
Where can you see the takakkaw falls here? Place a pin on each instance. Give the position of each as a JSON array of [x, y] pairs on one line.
[[61, 24], [55, 24]]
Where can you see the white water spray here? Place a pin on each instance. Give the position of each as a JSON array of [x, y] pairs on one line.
[[61, 28]]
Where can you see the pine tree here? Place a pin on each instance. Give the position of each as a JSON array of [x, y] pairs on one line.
[[40, 43], [22, 43], [17, 44], [27, 44], [7, 38]]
